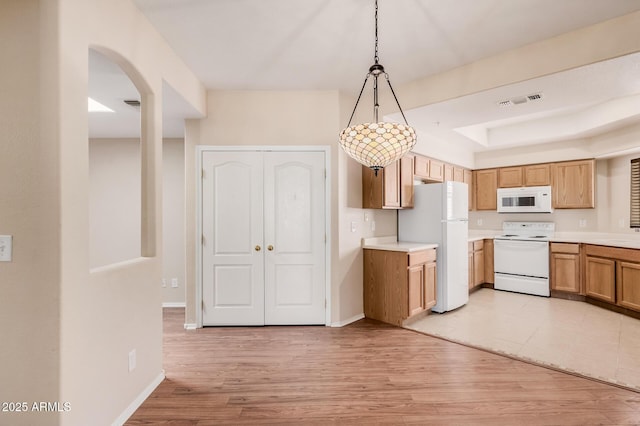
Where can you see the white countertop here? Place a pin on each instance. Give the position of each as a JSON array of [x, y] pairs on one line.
[[392, 244], [599, 238]]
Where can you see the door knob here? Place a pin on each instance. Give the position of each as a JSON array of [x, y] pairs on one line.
[[270, 247], [258, 248]]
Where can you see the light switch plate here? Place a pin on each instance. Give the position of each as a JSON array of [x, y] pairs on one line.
[[6, 248]]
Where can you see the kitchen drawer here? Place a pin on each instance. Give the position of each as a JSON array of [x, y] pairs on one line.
[[478, 245], [419, 257], [625, 254], [565, 248]]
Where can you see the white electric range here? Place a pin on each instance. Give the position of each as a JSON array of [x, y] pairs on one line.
[[521, 257]]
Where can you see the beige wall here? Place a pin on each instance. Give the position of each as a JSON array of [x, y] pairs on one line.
[[68, 331], [173, 264], [30, 211], [114, 201], [114, 208]]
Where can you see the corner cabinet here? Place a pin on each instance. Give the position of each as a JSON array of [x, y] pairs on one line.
[[398, 285], [613, 275], [392, 188]]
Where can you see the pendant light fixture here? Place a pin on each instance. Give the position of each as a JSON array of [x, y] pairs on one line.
[[377, 144]]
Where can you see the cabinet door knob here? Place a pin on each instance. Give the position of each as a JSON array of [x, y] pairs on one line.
[[258, 248], [270, 247]]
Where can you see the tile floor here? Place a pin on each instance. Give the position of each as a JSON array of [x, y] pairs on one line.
[[565, 334]]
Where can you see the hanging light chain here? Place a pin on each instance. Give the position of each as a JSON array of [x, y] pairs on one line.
[[375, 54]]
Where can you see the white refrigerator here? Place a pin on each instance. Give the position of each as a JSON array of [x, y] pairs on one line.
[[440, 215]]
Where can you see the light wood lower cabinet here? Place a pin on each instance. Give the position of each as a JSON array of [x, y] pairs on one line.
[[628, 285], [613, 275], [488, 261], [565, 267], [600, 280], [476, 263], [398, 285]]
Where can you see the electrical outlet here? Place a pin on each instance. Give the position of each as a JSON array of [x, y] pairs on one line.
[[353, 227], [621, 223], [6, 243], [373, 225], [164, 282], [174, 282], [366, 217], [132, 360], [479, 222], [582, 223]]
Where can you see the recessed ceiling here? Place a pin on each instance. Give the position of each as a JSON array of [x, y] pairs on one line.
[[328, 44]]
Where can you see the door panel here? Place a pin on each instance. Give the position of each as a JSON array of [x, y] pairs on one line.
[[232, 228], [294, 218]]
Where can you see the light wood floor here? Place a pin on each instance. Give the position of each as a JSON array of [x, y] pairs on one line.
[[365, 373]]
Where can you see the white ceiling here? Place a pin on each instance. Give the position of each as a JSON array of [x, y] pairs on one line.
[[328, 44]]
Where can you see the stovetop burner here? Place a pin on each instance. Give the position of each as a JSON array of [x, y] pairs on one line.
[[538, 231]]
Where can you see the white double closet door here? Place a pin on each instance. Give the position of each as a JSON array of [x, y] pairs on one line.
[[263, 246]]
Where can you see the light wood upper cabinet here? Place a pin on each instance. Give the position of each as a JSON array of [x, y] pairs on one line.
[[485, 184], [421, 167], [573, 184], [510, 177], [406, 181], [458, 174], [468, 179], [429, 169], [391, 185], [436, 170], [392, 188], [537, 175], [565, 267], [448, 172]]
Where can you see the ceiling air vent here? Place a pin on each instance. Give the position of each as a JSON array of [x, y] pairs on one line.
[[132, 102], [519, 100]]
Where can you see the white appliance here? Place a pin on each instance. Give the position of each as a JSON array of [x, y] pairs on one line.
[[440, 215], [521, 257], [529, 199]]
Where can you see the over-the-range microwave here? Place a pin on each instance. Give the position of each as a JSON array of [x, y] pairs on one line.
[[528, 199]]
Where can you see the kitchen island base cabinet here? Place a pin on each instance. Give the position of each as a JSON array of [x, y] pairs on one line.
[[398, 285]]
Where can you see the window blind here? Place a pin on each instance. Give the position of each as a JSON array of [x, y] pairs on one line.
[[634, 221]]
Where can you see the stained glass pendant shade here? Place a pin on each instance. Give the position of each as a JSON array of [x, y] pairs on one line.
[[379, 143]]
